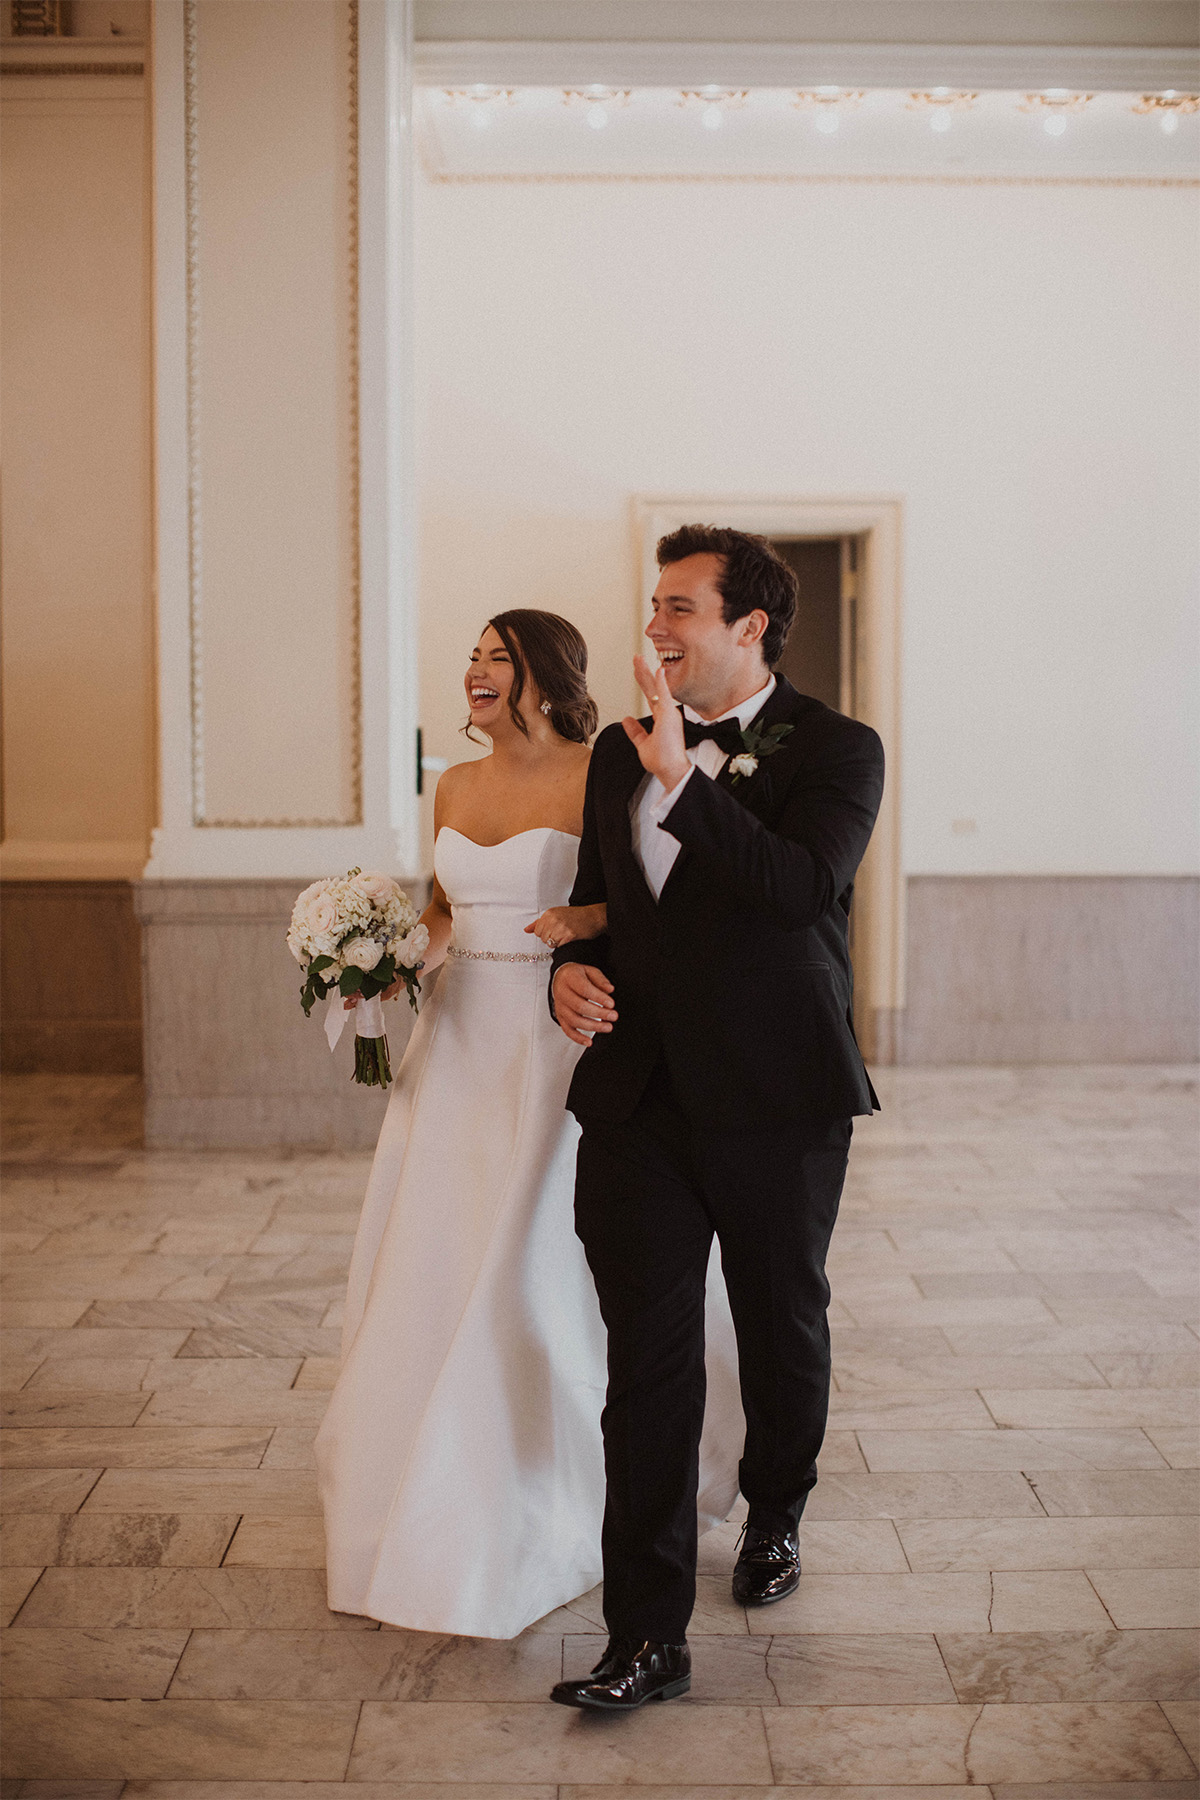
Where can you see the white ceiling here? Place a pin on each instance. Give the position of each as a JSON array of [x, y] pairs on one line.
[[541, 131]]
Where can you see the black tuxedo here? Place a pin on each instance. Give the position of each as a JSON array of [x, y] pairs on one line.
[[738, 978], [720, 1102]]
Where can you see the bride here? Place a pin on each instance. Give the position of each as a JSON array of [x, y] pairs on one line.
[[460, 1462]]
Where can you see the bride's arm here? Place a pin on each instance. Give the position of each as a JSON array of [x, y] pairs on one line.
[[565, 924]]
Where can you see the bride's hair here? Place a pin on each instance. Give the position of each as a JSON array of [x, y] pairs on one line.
[[551, 654]]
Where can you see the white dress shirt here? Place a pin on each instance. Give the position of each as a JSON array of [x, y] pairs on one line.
[[656, 850]]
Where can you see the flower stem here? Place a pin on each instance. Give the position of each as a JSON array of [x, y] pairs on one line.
[[371, 1065]]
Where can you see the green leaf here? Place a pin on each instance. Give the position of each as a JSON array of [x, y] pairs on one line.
[[318, 963], [350, 983]]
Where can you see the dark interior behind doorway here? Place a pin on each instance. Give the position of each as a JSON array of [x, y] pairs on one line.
[[811, 657]]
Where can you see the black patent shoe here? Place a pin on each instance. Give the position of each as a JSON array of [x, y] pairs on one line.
[[628, 1675], [767, 1568]]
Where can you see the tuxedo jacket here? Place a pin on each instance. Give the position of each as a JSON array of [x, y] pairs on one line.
[[738, 977]]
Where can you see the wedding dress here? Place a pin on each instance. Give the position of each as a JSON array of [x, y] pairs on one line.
[[460, 1462]]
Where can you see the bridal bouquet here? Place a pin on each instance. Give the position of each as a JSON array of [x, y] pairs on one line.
[[357, 934]]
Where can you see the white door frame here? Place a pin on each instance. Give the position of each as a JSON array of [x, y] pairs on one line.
[[876, 523]]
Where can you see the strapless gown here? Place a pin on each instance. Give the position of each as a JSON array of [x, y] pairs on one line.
[[460, 1462]]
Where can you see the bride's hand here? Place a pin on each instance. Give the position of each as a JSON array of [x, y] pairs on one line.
[[565, 924], [389, 993]]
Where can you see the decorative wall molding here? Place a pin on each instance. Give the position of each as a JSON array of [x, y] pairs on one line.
[[200, 814], [40, 71], [27, 859], [584, 179], [862, 65], [380, 479]]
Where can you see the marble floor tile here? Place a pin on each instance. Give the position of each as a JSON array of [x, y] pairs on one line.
[[88, 1375], [1146, 1599], [40, 1407], [46, 1490], [1140, 1543], [915, 1450], [264, 1340], [285, 1543], [275, 1491], [586, 1615], [1073, 1665], [1070, 1492], [255, 1404], [105, 1665], [371, 1665], [899, 1410], [1109, 1336], [16, 1584], [223, 1739], [132, 1342], [118, 1540], [878, 1603], [857, 1669], [1180, 1446], [857, 1374], [682, 1742], [1127, 1371], [1045, 1600], [925, 1495], [1060, 1408], [1184, 1716], [980, 1744], [318, 1374], [43, 1314], [291, 1447], [167, 1374], [157, 1599], [840, 1453], [147, 1447], [390, 1790]]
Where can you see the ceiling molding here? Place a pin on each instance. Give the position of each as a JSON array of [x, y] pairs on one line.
[[1149, 23], [1126, 69]]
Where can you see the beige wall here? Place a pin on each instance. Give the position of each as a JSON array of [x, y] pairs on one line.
[[77, 633]]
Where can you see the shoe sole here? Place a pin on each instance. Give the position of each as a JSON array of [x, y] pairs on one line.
[[672, 1691]]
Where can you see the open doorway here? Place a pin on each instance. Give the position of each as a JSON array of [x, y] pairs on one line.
[[844, 649]]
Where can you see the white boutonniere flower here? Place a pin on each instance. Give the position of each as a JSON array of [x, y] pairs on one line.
[[757, 745]]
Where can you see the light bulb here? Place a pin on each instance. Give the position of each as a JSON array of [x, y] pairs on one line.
[[1168, 122], [712, 118], [827, 121], [597, 118], [1054, 125], [940, 121], [940, 91], [1057, 93]]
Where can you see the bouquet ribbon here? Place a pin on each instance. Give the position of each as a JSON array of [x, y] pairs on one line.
[[368, 1018]]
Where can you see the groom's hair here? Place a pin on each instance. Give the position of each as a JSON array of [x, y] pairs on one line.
[[754, 577]]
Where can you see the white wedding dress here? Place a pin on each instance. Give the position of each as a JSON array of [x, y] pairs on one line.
[[460, 1463]]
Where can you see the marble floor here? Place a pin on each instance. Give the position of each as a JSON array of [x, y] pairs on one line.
[[999, 1593]]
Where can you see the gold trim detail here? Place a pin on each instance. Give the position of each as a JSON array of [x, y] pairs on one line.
[[40, 71], [195, 562]]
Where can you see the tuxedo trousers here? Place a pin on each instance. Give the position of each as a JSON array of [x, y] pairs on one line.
[[649, 1195]]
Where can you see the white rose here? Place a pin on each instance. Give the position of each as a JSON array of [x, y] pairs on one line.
[[745, 764], [320, 915], [362, 953], [411, 949], [332, 974], [378, 889]]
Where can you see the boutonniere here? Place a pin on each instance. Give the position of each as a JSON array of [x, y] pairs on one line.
[[757, 745]]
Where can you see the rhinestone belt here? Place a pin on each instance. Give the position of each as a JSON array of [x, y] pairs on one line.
[[513, 956]]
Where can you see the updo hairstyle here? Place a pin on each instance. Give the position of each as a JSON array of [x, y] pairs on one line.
[[551, 655]]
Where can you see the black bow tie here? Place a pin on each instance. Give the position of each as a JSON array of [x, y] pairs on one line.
[[726, 734]]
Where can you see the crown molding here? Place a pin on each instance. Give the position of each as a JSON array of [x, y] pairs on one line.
[[1098, 68]]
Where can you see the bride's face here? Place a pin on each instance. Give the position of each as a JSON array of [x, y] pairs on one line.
[[488, 682]]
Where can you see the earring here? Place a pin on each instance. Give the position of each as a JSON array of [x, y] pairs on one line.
[[545, 707]]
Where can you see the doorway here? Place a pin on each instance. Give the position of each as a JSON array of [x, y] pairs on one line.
[[844, 649]]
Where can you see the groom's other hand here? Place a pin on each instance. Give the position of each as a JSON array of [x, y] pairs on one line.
[[662, 750], [583, 1001]]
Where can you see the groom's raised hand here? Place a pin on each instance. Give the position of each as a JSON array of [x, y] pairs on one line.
[[662, 750]]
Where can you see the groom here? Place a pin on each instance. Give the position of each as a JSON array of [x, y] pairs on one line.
[[719, 1082]]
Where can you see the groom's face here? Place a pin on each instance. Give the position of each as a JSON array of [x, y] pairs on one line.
[[704, 658]]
